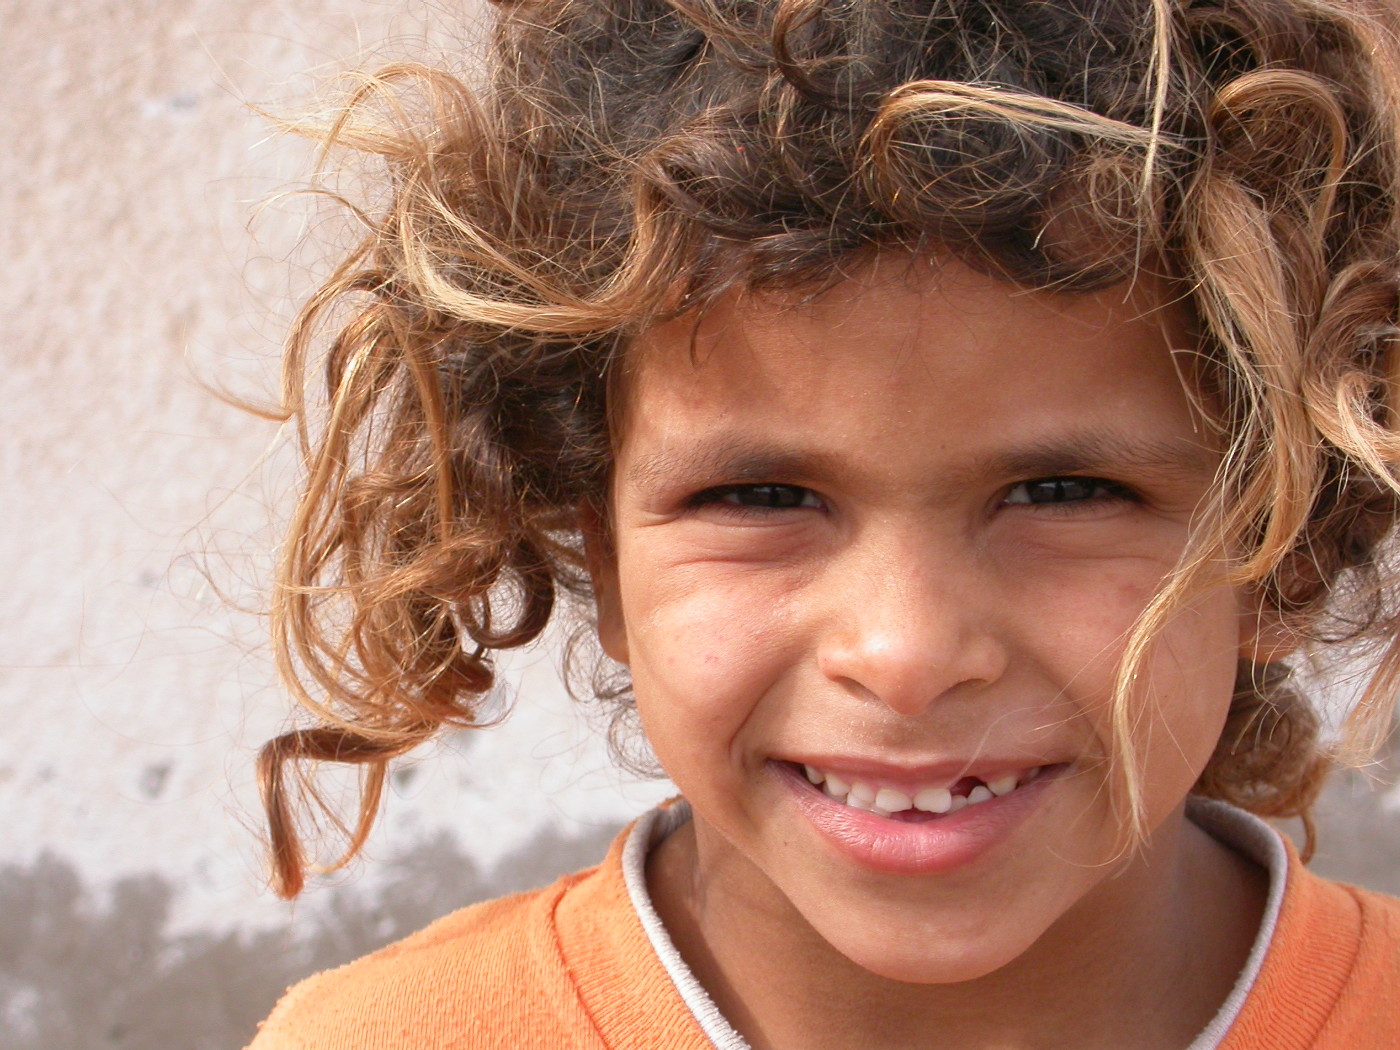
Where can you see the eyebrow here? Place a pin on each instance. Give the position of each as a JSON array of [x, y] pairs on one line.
[[733, 459], [738, 459], [1080, 453]]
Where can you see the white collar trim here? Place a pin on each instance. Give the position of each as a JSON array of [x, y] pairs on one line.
[[1241, 831]]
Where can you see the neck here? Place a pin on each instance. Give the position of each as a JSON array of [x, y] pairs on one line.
[[1145, 960]]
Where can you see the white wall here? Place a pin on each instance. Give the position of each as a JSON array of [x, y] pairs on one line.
[[138, 265]]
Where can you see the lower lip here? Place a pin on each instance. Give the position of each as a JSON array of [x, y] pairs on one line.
[[927, 847]]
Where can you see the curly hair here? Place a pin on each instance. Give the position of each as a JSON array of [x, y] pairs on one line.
[[625, 161]]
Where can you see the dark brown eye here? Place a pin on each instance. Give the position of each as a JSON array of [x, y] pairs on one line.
[[1063, 490], [768, 496], [760, 496]]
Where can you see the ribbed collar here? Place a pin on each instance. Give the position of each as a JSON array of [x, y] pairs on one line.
[[621, 981], [641, 995], [1306, 970]]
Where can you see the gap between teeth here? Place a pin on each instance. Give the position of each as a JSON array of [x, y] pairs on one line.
[[885, 801]]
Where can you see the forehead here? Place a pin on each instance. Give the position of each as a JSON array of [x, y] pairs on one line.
[[914, 348]]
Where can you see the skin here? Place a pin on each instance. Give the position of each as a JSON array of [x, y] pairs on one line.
[[903, 604]]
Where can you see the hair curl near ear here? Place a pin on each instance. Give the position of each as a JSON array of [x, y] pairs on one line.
[[1268, 760]]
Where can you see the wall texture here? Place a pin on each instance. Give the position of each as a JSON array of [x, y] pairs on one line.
[[149, 251]]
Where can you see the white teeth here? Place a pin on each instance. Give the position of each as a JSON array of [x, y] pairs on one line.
[[933, 800], [884, 801], [1001, 785], [892, 801], [862, 792]]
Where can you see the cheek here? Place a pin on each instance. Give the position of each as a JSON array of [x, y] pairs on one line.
[[703, 652], [1184, 685], [1081, 621], [1184, 691], [1194, 667]]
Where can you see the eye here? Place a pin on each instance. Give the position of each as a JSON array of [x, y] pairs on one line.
[[1066, 490], [765, 496]]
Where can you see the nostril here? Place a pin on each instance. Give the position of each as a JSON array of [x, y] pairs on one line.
[[910, 665]]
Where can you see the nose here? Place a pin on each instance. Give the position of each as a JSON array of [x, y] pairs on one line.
[[908, 627]]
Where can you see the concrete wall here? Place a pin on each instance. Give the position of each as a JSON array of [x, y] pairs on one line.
[[139, 262]]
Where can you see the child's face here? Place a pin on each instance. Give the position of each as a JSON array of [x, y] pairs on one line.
[[900, 535]]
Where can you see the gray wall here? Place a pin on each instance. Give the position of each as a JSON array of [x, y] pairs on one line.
[[141, 263]]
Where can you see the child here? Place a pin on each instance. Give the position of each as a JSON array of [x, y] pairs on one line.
[[959, 418]]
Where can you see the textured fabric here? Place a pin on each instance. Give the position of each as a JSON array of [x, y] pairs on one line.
[[645, 835], [1250, 837], [571, 966], [1242, 832], [561, 968], [1331, 980]]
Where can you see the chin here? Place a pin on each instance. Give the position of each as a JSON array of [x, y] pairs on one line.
[[930, 958]]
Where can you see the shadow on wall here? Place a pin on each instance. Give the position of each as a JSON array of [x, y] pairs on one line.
[[1358, 825], [73, 978]]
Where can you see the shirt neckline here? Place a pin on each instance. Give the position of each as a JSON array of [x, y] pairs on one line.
[[1242, 832]]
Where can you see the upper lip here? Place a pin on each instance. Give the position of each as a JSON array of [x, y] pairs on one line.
[[938, 771]]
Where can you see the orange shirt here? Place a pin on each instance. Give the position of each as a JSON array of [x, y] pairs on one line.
[[570, 967]]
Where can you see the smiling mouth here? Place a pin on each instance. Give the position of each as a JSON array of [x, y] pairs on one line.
[[916, 804]]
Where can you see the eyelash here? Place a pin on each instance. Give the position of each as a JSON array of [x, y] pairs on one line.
[[718, 494], [1099, 489]]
